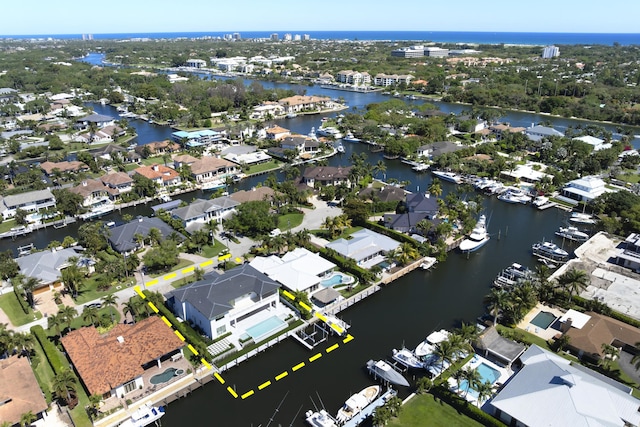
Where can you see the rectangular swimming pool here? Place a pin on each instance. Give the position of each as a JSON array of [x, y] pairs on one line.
[[487, 373], [266, 328], [543, 319]]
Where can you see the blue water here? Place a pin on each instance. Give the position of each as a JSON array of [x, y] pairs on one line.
[[434, 36], [336, 279], [263, 328], [487, 373]]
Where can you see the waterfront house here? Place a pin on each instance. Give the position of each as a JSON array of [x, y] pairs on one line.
[[551, 391], [162, 175], [366, 247], [104, 134], [530, 172], [200, 212], [195, 63], [31, 201], [419, 206], [629, 255], [327, 175], [266, 109], [75, 166], [158, 148], [355, 78], [245, 155], [99, 120], [46, 266], [111, 151], [297, 270], [303, 103], [498, 348], [275, 133], [209, 169], [597, 143], [502, 129], [253, 195], [7, 95], [538, 132], [180, 160], [113, 363], [436, 149], [119, 181], [391, 79], [234, 301], [123, 238], [584, 189], [387, 193], [95, 193], [19, 391], [197, 138]]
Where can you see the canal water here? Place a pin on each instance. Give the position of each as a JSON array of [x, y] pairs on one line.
[[403, 313]]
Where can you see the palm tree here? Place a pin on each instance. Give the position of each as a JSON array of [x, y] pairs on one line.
[[56, 321], [130, 307], [380, 167], [610, 353], [381, 416], [498, 300], [91, 315], [63, 384], [154, 235], [110, 301], [72, 277], [574, 281], [25, 342], [485, 391], [395, 405], [435, 188], [407, 253], [445, 353], [27, 418], [473, 378], [330, 224], [28, 286], [424, 384], [468, 331], [69, 313]]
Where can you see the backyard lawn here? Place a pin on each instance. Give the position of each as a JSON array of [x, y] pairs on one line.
[[273, 164], [424, 409], [181, 264], [11, 307], [289, 221]]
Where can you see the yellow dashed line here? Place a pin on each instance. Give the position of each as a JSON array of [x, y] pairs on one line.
[[153, 307], [205, 363], [206, 263], [232, 391], [152, 282], [305, 306], [179, 335], [333, 347], [282, 375], [139, 292], [165, 320], [298, 366], [264, 385], [224, 257], [347, 339], [247, 394], [288, 295], [188, 270], [193, 350], [316, 357], [337, 328], [238, 260], [218, 377], [320, 316], [169, 276]]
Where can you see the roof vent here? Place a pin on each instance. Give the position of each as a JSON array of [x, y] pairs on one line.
[[120, 339]]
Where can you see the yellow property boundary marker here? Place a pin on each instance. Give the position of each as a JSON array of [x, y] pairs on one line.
[[267, 383]]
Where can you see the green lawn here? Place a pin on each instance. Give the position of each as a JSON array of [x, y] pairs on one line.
[[289, 221], [90, 292], [213, 251], [273, 164], [11, 307], [42, 370], [182, 263], [424, 409], [8, 225], [630, 177], [151, 160], [345, 234]]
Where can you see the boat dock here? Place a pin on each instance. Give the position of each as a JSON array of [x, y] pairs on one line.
[[368, 411]]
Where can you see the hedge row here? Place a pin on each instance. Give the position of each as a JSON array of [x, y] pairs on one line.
[[395, 235], [344, 264], [50, 350], [582, 302], [187, 331], [22, 300], [465, 407]]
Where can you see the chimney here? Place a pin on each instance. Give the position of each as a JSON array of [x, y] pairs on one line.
[[566, 325], [84, 183], [120, 339], [156, 168]]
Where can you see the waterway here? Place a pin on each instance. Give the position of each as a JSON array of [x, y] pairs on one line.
[[402, 313]]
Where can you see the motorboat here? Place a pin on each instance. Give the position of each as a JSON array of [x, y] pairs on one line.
[[511, 275], [448, 176], [420, 167], [407, 358], [381, 369], [329, 132], [572, 233], [357, 403], [340, 149], [477, 238], [549, 250], [348, 137], [144, 416], [291, 116], [427, 346], [540, 201], [582, 218], [428, 262], [514, 195], [320, 418]]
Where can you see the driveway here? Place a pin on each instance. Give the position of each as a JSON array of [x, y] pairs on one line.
[[313, 218]]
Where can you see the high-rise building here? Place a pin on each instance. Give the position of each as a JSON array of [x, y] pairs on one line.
[[550, 52], [297, 38], [274, 37], [287, 37], [236, 36], [306, 37]]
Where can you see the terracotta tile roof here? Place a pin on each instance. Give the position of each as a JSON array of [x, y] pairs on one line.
[[303, 99], [274, 130], [74, 166], [90, 186], [157, 171], [184, 159], [104, 363], [19, 390], [255, 194], [210, 164], [600, 330], [116, 178], [157, 146]]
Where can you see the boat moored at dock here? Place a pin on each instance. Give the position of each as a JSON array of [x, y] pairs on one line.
[[549, 250], [144, 416], [448, 176], [512, 275], [384, 371], [477, 238], [357, 403], [572, 233], [406, 358]]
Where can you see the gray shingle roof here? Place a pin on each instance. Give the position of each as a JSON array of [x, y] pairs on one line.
[[199, 207], [46, 265], [122, 238], [96, 118], [29, 197], [214, 295]]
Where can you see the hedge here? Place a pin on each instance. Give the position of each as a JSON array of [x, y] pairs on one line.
[[187, 331], [50, 350], [395, 235], [465, 407], [582, 302], [348, 266], [22, 300]]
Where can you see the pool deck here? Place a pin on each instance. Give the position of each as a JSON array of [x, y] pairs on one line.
[[505, 374], [546, 334]]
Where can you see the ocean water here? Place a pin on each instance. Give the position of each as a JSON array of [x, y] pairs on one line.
[[433, 36]]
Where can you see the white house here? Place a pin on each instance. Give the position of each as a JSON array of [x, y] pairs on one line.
[[597, 143], [202, 211], [32, 201], [585, 189], [366, 247], [196, 63]]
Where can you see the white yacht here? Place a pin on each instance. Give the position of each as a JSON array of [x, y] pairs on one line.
[[582, 218], [572, 233], [549, 250], [428, 262], [540, 201], [320, 418], [420, 167], [514, 195], [511, 275], [144, 416], [381, 369], [329, 132], [427, 346], [407, 358], [348, 137], [357, 403], [477, 238], [448, 176]]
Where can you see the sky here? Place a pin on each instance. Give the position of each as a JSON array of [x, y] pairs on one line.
[[140, 16]]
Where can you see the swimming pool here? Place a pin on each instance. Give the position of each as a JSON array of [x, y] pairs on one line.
[[336, 278], [487, 373], [543, 319], [165, 376], [265, 328]]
